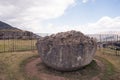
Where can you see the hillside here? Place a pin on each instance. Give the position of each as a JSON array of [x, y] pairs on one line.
[[5, 26], [9, 32]]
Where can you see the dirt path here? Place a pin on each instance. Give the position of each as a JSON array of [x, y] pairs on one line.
[[32, 70], [102, 66]]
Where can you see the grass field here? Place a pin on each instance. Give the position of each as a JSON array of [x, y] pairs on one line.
[[11, 65], [110, 51], [16, 45], [115, 60]]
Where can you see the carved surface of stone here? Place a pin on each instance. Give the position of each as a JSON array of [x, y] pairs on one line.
[[66, 51]]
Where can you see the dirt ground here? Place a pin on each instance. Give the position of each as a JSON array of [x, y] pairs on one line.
[[32, 70], [25, 66]]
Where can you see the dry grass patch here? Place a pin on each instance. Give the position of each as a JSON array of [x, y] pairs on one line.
[[17, 45], [10, 66], [115, 60]]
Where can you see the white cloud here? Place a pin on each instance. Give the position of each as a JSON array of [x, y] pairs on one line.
[[102, 25], [105, 24], [85, 1], [31, 13]]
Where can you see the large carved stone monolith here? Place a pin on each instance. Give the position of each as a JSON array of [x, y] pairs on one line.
[[66, 51]]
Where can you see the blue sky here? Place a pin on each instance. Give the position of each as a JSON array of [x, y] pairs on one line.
[[90, 11], [43, 16]]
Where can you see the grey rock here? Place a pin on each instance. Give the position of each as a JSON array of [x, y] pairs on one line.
[[66, 51]]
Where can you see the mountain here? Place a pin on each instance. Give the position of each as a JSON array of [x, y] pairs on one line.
[[5, 26], [9, 32]]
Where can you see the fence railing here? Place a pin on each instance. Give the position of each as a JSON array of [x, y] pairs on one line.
[[17, 40], [12, 45], [108, 44]]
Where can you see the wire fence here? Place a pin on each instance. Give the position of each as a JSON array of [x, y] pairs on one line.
[[11, 41], [108, 44], [12, 45]]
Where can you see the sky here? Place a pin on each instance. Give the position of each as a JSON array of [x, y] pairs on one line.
[[52, 16]]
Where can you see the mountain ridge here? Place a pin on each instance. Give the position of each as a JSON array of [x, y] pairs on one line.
[[9, 32], [5, 26]]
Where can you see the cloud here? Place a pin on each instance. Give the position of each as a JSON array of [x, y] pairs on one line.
[[30, 13], [102, 25], [85, 1]]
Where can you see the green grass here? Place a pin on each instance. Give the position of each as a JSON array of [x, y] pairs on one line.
[[110, 51], [86, 73], [109, 69], [112, 64], [17, 45], [10, 65], [115, 60]]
